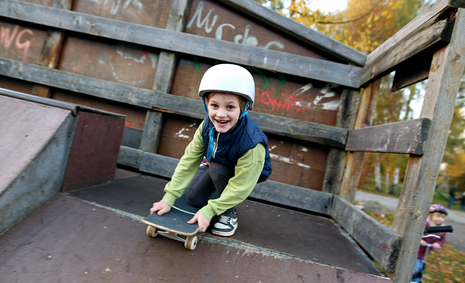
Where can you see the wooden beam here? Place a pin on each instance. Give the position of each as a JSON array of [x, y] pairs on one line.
[[317, 133], [436, 35], [51, 50], [275, 61], [407, 137], [336, 160], [299, 31], [166, 67], [275, 192], [413, 70], [76, 83], [422, 171], [354, 161], [378, 240], [293, 196], [157, 164], [130, 157], [425, 19]]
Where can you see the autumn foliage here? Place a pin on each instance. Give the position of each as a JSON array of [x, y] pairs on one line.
[[445, 265]]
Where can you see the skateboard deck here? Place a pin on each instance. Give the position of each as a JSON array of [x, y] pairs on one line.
[[174, 223]]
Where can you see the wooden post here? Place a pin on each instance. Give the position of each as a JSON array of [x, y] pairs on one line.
[[51, 50], [354, 161], [336, 158], [163, 78], [421, 175]]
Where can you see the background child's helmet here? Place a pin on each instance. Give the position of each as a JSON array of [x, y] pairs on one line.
[[437, 208], [228, 78]]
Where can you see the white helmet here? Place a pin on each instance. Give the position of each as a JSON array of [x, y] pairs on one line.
[[228, 78]]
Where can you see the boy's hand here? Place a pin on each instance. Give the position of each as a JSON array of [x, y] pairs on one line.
[[202, 220], [161, 207], [423, 243]]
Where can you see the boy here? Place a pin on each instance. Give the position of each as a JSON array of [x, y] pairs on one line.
[[436, 217], [234, 147]]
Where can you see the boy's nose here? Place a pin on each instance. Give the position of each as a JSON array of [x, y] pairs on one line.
[[221, 112]]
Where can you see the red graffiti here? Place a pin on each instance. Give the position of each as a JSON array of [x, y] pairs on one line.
[[265, 98], [7, 39]]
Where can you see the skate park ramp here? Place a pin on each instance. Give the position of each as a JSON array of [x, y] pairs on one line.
[[39, 149], [94, 234], [35, 144]]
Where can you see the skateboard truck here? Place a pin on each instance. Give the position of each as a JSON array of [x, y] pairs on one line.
[[173, 224], [190, 242]]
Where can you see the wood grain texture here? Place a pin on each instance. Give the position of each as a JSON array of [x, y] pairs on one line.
[[299, 31], [317, 133], [406, 137], [422, 172], [285, 63], [379, 241], [437, 34]]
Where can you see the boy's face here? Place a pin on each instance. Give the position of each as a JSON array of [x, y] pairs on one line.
[[437, 218], [223, 111]]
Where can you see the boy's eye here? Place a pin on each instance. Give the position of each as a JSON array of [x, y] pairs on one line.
[[230, 107], [213, 105]]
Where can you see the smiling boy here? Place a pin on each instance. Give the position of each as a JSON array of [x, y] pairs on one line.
[[235, 151]]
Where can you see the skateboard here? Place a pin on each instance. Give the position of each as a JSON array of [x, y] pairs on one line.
[[174, 224]]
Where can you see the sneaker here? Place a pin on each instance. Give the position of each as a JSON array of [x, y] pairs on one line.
[[226, 226]]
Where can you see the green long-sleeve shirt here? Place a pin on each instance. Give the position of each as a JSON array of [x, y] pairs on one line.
[[247, 173]]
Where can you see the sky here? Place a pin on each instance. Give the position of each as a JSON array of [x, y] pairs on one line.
[[329, 5]]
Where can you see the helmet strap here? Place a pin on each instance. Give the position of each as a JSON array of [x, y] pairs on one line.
[[205, 104], [245, 110], [210, 145]]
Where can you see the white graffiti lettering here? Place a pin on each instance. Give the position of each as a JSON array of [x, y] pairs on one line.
[[205, 21], [243, 38], [115, 5]]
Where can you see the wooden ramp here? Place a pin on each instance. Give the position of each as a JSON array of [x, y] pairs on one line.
[[47, 146], [94, 235]]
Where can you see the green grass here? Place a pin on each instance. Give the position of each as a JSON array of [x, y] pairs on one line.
[[439, 197]]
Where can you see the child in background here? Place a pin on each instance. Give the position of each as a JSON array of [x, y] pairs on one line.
[[436, 217], [234, 147]]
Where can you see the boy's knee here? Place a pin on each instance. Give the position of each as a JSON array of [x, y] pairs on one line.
[[220, 171], [194, 200]]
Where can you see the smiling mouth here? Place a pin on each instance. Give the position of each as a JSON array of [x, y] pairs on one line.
[[222, 122]]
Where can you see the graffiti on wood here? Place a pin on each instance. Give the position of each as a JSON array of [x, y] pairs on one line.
[[208, 20], [13, 38], [116, 6]]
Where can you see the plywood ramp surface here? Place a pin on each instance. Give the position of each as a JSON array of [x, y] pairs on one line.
[[74, 240]]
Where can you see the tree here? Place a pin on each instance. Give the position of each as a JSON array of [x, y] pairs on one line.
[[364, 25]]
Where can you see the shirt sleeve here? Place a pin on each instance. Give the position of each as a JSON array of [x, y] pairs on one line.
[[186, 168], [246, 175]]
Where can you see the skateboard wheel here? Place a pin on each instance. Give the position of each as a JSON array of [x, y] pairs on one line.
[[191, 243], [152, 231]]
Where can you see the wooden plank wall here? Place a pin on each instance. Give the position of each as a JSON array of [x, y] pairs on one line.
[[112, 59], [145, 59], [445, 72]]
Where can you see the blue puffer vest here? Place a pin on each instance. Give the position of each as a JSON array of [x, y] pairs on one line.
[[232, 145]]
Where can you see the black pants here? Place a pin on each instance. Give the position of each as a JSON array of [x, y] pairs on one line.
[[208, 180]]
